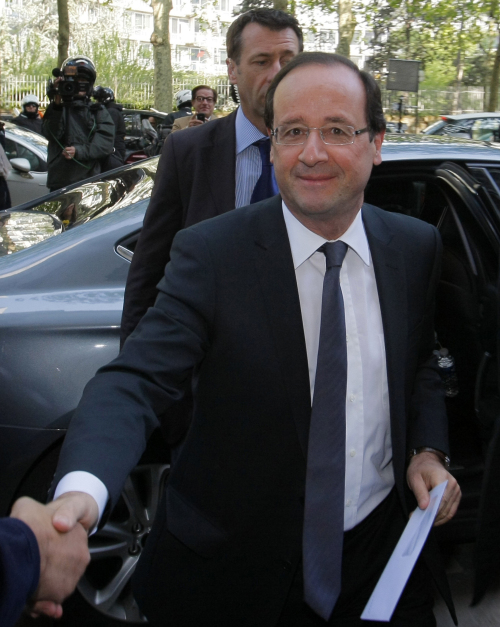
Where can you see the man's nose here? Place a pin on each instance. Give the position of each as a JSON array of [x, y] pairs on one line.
[[314, 150], [274, 68]]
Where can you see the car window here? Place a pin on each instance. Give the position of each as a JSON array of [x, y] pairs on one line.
[[97, 198], [15, 150], [132, 124], [419, 197], [461, 128], [486, 129]]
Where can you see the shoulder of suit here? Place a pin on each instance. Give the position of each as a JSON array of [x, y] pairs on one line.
[[241, 221]]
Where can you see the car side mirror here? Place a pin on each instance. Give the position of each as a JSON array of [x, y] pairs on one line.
[[21, 164]]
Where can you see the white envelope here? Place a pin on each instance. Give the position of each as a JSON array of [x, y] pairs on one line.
[[391, 584]]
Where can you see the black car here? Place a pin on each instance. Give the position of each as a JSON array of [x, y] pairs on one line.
[[60, 309]]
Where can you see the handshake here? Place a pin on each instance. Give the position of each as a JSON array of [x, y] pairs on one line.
[[60, 529]]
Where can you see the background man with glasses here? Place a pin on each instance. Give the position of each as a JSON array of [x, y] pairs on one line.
[[306, 324], [204, 99]]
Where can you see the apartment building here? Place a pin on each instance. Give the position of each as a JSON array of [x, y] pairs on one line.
[[197, 28]]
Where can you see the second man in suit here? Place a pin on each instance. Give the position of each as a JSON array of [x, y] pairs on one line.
[[208, 171]]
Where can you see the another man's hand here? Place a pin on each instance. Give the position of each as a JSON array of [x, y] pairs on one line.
[[426, 472], [194, 122], [69, 152], [63, 556]]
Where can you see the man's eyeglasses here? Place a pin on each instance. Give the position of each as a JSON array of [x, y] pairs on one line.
[[331, 134], [209, 99]]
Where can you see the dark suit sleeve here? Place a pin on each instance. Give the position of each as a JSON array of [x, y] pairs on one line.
[[163, 219], [429, 425], [120, 405], [19, 568]]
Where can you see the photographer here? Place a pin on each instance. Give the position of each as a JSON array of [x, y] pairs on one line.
[[204, 99], [80, 134], [106, 96]]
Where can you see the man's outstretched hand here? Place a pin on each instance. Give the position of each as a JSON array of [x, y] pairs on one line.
[[64, 556], [425, 472]]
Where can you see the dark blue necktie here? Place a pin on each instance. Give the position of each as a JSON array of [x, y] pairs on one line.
[[324, 503], [266, 186]]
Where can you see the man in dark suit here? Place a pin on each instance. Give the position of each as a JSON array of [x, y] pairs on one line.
[[205, 173], [36, 562], [279, 514]]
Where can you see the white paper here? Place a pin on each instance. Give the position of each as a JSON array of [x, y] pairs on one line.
[[391, 584]]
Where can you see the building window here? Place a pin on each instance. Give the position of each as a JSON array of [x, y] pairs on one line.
[[328, 37], [220, 56], [142, 21], [223, 5], [357, 37], [197, 28], [197, 54], [179, 26]]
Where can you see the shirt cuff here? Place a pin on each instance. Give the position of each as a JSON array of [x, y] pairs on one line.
[[80, 481]]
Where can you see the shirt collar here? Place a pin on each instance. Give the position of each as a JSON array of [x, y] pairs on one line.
[[246, 132], [305, 243]]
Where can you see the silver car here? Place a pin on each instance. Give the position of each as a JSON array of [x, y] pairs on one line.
[[27, 153], [481, 126]]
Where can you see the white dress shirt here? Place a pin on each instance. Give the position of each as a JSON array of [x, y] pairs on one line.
[[369, 475]]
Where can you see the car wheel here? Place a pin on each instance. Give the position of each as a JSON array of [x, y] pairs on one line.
[[104, 593]]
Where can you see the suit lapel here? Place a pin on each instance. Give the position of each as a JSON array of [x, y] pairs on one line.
[[219, 159], [388, 263], [274, 265]]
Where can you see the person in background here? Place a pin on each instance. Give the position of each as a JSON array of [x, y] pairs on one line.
[[106, 96], [29, 117], [210, 170], [201, 176], [204, 100], [184, 105], [80, 134]]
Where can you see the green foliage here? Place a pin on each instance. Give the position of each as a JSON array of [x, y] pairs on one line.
[[438, 74]]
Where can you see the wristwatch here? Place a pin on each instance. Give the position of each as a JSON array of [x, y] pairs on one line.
[[427, 449]]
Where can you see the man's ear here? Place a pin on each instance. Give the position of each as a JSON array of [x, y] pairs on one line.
[[231, 71], [377, 140]]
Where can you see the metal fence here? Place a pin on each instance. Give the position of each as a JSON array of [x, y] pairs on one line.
[[141, 95], [134, 95]]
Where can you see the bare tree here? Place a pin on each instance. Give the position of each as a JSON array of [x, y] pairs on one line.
[[161, 55], [63, 35]]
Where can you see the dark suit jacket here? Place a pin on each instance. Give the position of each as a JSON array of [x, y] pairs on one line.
[[195, 181], [19, 568], [224, 549]]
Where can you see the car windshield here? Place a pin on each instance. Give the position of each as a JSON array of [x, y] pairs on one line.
[[88, 201], [30, 136], [33, 138]]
